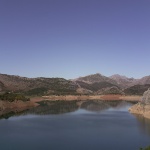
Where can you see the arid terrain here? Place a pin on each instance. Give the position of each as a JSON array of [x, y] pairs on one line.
[[143, 107], [91, 87], [95, 84]]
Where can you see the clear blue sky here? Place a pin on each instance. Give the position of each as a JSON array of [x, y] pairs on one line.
[[72, 38]]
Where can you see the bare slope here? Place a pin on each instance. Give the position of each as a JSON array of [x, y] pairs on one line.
[[34, 86], [123, 81], [91, 84], [126, 82], [98, 84], [96, 78]]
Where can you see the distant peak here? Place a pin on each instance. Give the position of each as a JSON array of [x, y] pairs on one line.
[[96, 74], [118, 76]]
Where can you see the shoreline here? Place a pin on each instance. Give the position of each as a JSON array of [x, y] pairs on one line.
[[140, 109], [92, 97], [19, 106], [15, 107]]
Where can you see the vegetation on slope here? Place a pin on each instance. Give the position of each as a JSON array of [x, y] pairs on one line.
[[92, 84], [36, 86], [110, 90], [12, 97], [136, 89]]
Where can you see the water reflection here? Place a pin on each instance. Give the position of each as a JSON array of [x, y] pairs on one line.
[[87, 125], [61, 107], [144, 123], [54, 107], [98, 106], [95, 106]]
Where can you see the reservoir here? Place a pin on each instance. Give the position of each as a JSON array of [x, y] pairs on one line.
[[75, 125]]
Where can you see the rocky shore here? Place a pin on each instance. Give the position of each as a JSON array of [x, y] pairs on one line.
[[143, 107]]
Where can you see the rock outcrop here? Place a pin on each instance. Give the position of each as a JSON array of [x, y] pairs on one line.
[[143, 107], [146, 97]]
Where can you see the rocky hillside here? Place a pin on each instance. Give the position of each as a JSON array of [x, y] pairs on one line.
[[126, 82], [91, 84], [94, 86], [36, 86], [143, 107], [98, 84], [136, 89], [142, 81], [2, 87], [96, 78], [115, 84], [132, 86], [110, 90], [123, 81]]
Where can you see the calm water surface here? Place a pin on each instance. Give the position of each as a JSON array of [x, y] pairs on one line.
[[92, 125]]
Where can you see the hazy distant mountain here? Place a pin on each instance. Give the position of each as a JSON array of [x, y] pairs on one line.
[[99, 84], [142, 81], [126, 82], [96, 78], [115, 84], [123, 81], [132, 86]]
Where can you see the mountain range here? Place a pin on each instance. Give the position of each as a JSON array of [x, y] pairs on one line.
[[91, 84]]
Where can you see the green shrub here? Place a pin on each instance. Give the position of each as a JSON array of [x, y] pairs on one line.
[[36, 92], [12, 97]]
